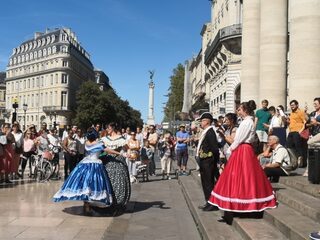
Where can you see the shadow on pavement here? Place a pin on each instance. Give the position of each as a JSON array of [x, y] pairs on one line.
[[95, 212], [142, 206]]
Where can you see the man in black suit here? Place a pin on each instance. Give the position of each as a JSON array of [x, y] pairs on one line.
[[208, 153]]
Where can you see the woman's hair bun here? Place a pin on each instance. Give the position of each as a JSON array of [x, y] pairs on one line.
[[252, 105]]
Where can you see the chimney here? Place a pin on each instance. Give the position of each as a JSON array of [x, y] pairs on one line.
[[37, 34]]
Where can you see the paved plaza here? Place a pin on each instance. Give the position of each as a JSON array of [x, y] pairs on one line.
[[157, 210]]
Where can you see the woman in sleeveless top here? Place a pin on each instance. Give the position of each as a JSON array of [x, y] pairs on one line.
[[89, 181], [132, 156]]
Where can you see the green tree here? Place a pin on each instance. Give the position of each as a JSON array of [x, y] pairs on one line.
[[95, 106], [175, 94]]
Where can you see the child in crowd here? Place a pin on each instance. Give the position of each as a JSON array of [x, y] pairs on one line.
[[166, 147], [146, 154]]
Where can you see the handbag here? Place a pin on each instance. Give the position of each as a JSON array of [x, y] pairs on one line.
[[305, 134]]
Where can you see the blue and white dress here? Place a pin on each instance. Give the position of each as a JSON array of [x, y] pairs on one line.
[[89, 180]]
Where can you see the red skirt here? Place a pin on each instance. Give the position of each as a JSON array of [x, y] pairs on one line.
[[243, 185]]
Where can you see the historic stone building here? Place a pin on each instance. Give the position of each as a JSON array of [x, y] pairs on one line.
[[2, 97], [216, 70], [43, 76], [258, 50], [281, 51]]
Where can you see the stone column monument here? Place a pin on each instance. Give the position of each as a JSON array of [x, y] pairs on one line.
[[250, 50], [304, 53], [151, 120], [273, 51]]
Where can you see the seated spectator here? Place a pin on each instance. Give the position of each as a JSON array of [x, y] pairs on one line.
[[279, 160]]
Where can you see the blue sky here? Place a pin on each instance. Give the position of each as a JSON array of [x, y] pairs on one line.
[[124, 38]]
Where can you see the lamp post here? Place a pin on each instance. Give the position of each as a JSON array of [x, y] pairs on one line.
[[25, 108], [15, 105]]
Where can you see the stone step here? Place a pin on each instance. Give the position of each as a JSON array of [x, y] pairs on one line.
[[290, 222], [250, 228], [306, 204], [301, 184], [207, 223], [257, 229]]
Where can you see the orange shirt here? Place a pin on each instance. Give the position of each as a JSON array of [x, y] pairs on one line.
[[297, 121]]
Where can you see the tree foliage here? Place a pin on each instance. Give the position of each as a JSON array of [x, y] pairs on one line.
[[96, 106], [175, 94]]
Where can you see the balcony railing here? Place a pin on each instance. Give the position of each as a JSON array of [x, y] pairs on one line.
[[232, 31], [51, 109]]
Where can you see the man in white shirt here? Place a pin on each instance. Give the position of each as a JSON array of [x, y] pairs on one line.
[[279, 160]]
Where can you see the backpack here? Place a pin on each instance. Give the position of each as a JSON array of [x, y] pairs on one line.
[[293, 160]]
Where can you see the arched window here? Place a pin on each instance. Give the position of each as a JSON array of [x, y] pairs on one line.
[[22, 58], [39, 43], [30, 45], [53, 37], [19, 59], [44, 52], [63, 37], [35, 54], [64, 49], [22, 48], [14, 51], [27, 57], [48, 40], [49, 50], [43, 41], [31, 56], [39, 53], [18, 50], [54, 49], [26, 46]]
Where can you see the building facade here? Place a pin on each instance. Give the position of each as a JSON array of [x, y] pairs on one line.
[[2, 97], [260, 50], [43, 75], [102, 80], [216, 71]]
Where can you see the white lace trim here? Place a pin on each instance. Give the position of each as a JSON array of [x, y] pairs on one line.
[[242, 211], [93, 195], [90, 160], [244, 201]]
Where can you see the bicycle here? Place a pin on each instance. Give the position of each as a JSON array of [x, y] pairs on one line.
[[54, 150], [42, 167]]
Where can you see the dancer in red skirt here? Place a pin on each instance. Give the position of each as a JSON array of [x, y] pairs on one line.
[[243, 186]]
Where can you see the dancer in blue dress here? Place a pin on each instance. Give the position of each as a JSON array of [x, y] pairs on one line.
[[89, 181]]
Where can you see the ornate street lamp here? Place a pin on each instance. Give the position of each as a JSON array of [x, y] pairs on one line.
[[15, 105], [25, 108]]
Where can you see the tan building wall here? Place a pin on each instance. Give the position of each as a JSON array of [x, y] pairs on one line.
[[304, 51], [45, 73]]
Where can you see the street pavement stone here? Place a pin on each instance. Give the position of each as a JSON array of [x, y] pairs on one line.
[[158, 211], [27, 212]]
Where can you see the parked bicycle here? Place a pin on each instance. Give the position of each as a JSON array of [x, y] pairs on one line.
[[54, 150], [42, 167]]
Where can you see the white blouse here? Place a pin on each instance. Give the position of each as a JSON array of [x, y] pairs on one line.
[[276, 121], [245, 133]]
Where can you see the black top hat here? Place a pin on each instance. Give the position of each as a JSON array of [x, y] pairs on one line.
[[206, 115]]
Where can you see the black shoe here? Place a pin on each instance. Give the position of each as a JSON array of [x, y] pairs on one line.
[[210, 208], [8, 181], [203, 206]]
